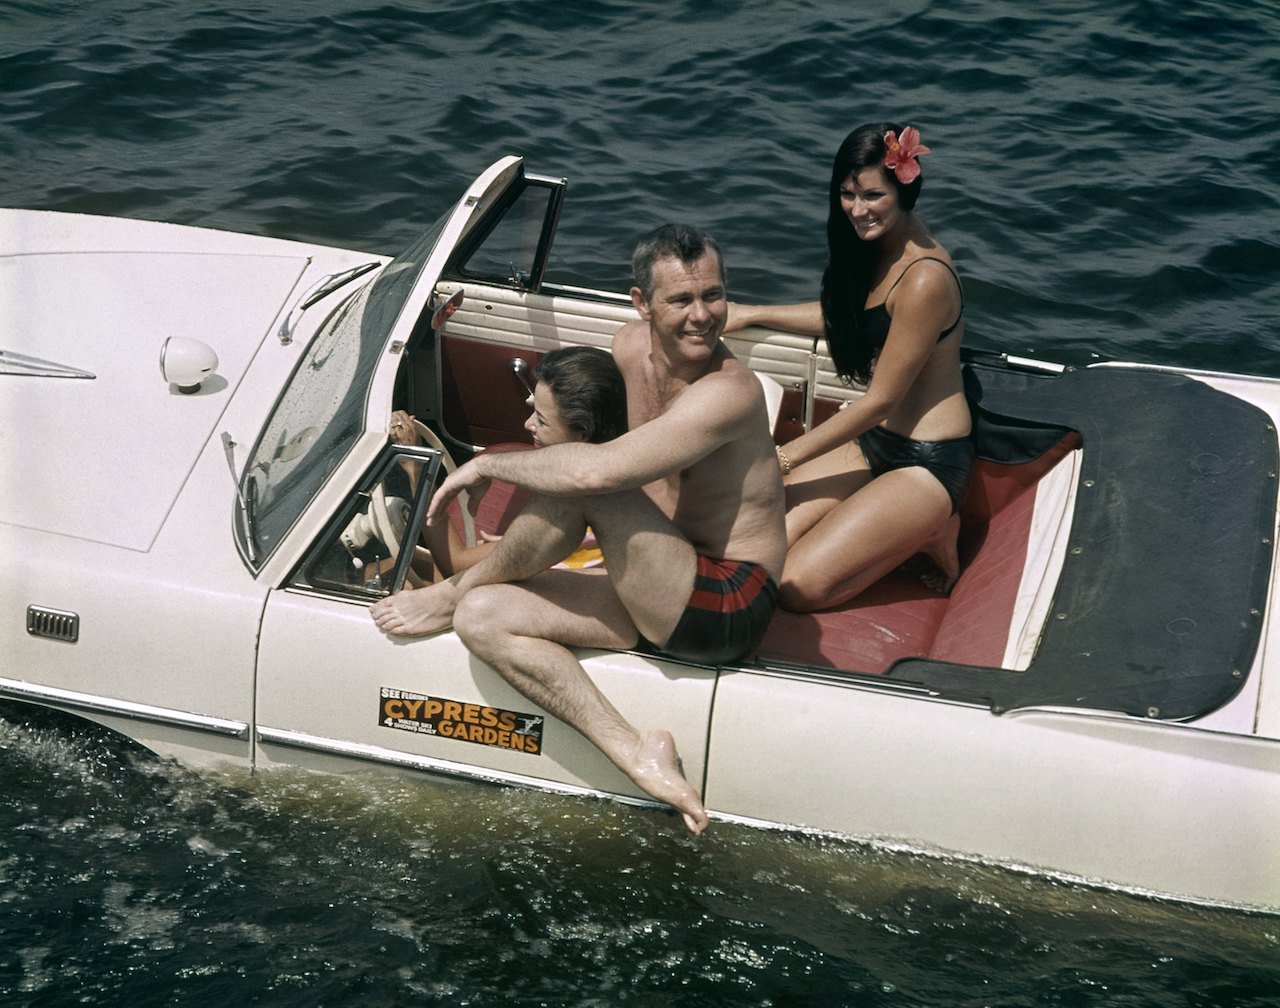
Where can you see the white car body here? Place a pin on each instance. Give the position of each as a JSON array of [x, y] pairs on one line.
[[129, 596]]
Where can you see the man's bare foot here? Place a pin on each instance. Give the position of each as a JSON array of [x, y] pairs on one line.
[[415, 612], [656, 771], [943, 550]]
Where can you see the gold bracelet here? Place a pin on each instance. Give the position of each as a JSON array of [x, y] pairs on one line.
[[783, 460]]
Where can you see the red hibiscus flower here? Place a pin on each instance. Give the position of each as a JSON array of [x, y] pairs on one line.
[[901, 153]]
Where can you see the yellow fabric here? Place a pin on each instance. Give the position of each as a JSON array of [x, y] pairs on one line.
[[586, 555]]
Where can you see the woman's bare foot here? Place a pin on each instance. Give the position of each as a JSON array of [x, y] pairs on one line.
[[656, 771], [943, 550], [418, 611]]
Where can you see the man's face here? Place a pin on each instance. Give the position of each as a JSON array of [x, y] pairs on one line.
[[689, 306]]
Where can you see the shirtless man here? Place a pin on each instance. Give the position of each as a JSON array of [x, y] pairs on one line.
[[692, 491]]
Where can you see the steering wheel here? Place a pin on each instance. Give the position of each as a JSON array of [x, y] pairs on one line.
[[389, 516], [385, 522], [429, 438]]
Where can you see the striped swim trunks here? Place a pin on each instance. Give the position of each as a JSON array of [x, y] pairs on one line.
[[727, 614]]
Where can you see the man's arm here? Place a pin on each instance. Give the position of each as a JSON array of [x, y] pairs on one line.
[[707, 414]]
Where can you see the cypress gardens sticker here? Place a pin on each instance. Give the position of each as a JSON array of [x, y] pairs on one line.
[[467, 722]]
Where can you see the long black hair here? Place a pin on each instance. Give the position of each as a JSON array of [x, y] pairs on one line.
[[850, 260]]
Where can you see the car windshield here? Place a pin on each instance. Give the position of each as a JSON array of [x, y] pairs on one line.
[[321, 413]]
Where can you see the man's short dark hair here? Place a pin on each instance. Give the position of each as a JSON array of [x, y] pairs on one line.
[[671, 241]]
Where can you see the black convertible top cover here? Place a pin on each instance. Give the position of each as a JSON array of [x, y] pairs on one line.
[[1160, 605]]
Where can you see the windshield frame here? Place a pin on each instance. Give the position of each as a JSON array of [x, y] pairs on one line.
[[320, 414]]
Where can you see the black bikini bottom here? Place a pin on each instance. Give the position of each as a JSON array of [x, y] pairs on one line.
[[950, 462]]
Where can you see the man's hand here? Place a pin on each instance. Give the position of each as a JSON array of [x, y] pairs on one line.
[[468, 478]]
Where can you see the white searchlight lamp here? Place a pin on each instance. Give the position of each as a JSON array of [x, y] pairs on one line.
[[186, 363]]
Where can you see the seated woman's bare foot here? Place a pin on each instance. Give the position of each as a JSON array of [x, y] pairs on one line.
[[415, 612], [943, 550], [656, 771]]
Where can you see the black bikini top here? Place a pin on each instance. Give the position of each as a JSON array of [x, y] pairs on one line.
[[875, 320]]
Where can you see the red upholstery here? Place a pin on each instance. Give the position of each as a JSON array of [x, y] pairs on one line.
[[974, 628], [899, 617], [896, 617], [502, 502]]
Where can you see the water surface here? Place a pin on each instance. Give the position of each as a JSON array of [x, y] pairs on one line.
[[1104, 175]]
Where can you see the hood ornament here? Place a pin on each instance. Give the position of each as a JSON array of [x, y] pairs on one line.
[[21, 364]]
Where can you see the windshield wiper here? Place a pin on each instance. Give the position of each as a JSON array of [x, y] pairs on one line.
[[246, 509], [250, 517], [322, 289]]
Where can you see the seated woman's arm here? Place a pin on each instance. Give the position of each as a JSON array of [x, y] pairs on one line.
[[921, 310], [802, 319]]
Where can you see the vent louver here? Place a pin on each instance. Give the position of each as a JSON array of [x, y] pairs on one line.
[[55, 624]]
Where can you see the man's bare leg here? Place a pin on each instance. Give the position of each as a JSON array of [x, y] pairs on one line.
[[524, 630], [504, 625], [650, 565], [415, 612], [532, 544]]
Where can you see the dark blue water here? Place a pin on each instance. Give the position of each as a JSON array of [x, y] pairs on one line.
[[1106, 176]]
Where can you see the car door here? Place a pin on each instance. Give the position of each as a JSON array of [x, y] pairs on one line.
[[331, 686]]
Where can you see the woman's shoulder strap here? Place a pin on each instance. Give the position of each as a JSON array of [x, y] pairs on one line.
[[950, 269]]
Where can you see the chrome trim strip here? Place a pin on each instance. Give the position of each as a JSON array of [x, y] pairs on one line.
[[1189, 372], [842, 680], [443, 768], [15, 690], [1033, 364], [21, 364]]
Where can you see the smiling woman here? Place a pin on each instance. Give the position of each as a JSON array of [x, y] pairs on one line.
[[885, 477]]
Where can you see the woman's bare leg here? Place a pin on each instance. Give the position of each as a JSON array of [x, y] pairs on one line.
[[862, 538], [816, 487], [944, 550]]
